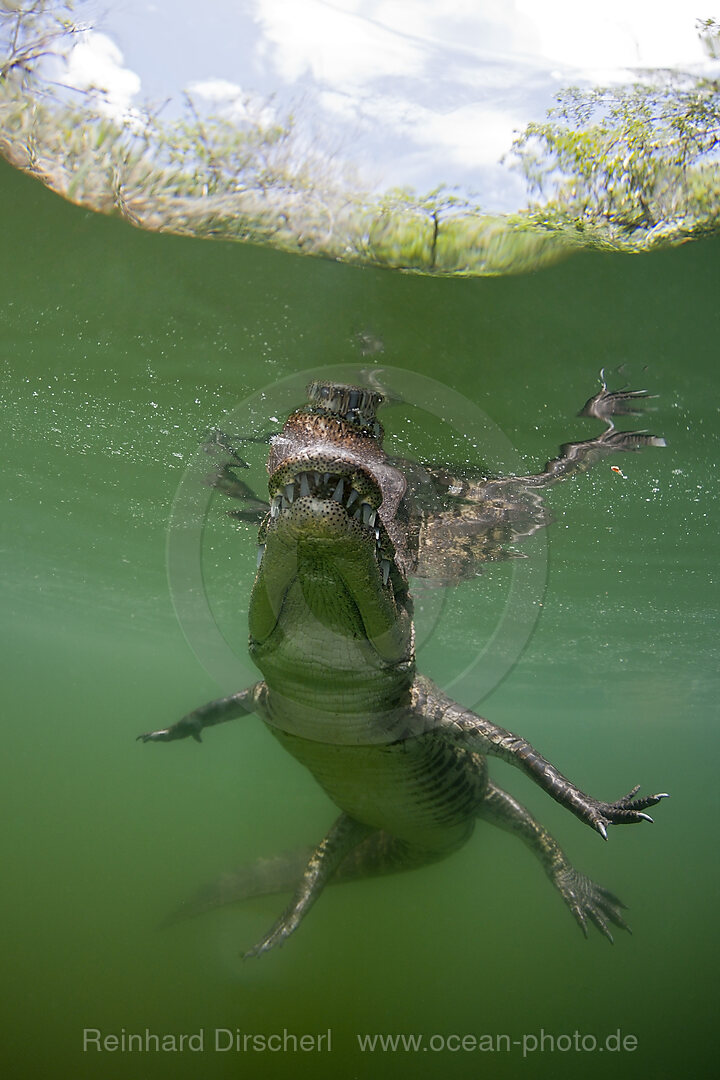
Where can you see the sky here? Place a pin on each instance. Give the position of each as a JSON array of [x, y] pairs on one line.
[[417, 92]]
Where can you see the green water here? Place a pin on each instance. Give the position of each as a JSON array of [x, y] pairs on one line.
[[119, 350]]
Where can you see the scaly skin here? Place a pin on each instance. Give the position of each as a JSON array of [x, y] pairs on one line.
[[331, 631]]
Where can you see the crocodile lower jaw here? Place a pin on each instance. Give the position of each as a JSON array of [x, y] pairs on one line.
[[333, 506]]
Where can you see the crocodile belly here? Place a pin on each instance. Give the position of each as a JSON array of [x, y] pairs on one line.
[[420, 789]]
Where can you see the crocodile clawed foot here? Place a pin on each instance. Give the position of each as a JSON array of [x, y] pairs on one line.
[[256, 950], [630, 440], [189, 725], [625, 811], [590, 902], [161, 735], [609, 403], [276, 937]]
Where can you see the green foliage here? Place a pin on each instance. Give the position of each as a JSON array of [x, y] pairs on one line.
[[30, 32], [628, 166], [709, 32]]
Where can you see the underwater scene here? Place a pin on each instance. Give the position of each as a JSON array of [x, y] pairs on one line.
[[464, 376]]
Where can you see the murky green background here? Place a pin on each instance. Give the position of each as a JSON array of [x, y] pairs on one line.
[[119, 349]]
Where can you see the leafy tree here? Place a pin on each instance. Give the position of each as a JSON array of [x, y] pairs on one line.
[[629, 166]]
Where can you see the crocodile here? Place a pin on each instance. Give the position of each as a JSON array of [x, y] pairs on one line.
[[331, 630]]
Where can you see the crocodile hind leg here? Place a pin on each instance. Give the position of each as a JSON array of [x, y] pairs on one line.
[[578, 457], [263, 877], [350, 851], [344, 835], [586, 900]]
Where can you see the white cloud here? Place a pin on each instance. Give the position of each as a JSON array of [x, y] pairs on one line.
[[614, 33], [351, 48], [215, 89], [335, 43], [95, 64], [347, 43], [472, 135], [233, 102]]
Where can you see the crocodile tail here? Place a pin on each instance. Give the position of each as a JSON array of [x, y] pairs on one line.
[[264, 877], [379, 853]]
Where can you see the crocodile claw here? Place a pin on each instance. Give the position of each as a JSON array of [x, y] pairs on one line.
[[283, 928], [162, 735], [625, 811], [609, 403], [590, 902], [189, 725], [630, 440], [261, 947]]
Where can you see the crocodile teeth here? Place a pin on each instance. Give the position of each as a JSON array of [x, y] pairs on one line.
[[367, 513], [326, 477], [385, 569], [304, 485], [275, 506], [260, 553], [377, 536], [351, 498], [289, 492], [339, 491]]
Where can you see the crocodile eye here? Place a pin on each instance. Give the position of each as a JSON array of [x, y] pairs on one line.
[[354, 404]]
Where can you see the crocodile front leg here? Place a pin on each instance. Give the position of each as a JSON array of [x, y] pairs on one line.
[[586, 899], [344, 835], [215, 712], [223, 478], [463, 728], [479, 518], [580, 456]]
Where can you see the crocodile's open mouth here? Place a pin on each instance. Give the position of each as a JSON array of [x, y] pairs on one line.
[[324, 551], [335, 505]]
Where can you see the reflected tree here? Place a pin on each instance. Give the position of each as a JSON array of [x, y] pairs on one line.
[[629, 166], [410, 226], [31, 30]]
